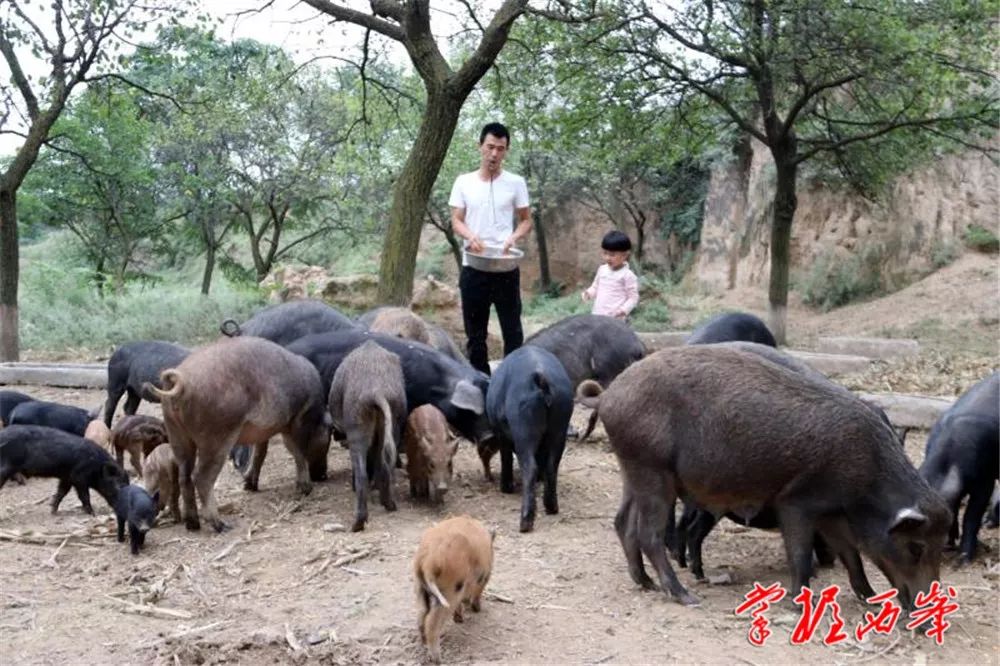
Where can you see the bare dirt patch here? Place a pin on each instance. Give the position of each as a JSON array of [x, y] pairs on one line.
[[279, 587]]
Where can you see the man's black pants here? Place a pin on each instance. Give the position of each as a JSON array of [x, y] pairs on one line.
[[480, 290]]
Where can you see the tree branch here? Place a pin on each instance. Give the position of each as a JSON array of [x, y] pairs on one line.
[[381, 26], [17, 74]]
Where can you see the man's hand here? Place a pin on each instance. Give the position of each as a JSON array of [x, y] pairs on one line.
[[585, 296], [509, 243], [620, 314], [476, 245]]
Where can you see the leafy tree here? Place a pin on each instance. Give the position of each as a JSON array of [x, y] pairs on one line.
[[814, 77], [100, 183], [76, 38], [253, 147], [447, 87]]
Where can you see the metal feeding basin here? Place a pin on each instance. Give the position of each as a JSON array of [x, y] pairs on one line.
[[493, 260]]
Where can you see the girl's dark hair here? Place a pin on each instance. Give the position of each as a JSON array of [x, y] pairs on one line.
[[497, 130], [616, 241]]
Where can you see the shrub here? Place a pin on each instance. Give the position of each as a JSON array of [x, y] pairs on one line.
[[60, 309], [830, 283], [981, 239], [652, 315], [943, 253]]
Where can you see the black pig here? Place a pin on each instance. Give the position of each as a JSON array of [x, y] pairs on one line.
[[961, 458], [529, 404], [135, 507], [77, 463]]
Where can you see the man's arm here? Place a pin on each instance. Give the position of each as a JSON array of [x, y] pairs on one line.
[[462, 230], [523, 227]]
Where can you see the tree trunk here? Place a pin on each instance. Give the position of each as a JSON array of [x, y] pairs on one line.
[[100, 277], [455, 245], [206, 277], [9, 342], [544, 276], [410, 196], [640, 241], [785, 203]]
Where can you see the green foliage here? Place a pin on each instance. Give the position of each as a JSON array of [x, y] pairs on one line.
[[981, 239], [59, 310], [684, 189], [830, 282], [943, 252], [546, 308], [651, 315], [433, 260]]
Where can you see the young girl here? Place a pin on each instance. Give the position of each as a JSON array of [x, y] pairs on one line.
[[615, 290]]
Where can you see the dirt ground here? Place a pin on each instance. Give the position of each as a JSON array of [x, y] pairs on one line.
[[287, 585], [280, 578]]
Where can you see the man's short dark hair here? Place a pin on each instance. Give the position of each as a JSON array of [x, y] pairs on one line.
[[616, 241], [497, 130]]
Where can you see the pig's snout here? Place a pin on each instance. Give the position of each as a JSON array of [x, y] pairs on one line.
[[440, 490]]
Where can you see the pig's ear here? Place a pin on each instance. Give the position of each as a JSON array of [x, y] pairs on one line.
[[908, 519], [454, 444], [467, 396]]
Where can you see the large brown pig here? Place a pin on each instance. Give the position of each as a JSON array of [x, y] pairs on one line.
[[138, 435], [368, 403], [452, 567], [429, 451], [244, 389], [737, 433]]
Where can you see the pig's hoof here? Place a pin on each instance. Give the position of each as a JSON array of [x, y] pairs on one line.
[[89, 510], [305, 488], [192, 524], [358, 526], [552, 510], [506, 488], [458, 617], [220, 526], [476, 605], [390, 505], [688, 599], [250, 485], [527, 525]]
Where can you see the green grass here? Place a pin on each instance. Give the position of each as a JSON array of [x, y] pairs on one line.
[[981, 239], [61, 310]]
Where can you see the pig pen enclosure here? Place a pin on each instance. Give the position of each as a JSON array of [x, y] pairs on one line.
[[288, 585]]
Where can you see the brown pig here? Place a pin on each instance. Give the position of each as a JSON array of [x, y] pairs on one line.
[[429, 450], [368, 402], [452, 567], [400, 322], [98, 433], [243, 389], [159, 474], [138, 435]]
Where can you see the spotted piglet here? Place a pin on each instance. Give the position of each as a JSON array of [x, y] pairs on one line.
[[452, 567]]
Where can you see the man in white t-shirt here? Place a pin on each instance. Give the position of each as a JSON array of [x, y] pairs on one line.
[[485, 204]]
